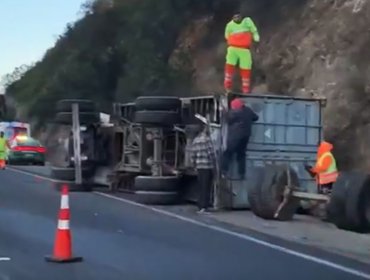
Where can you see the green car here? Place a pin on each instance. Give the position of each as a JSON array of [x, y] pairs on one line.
[[26, 150]]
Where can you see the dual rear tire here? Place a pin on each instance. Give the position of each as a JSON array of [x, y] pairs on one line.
[[157, 190], [158, 111], [349, 206], [66, 176], [87, 112]]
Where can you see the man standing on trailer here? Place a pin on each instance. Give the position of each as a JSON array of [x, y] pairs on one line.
[[239, 34], [325, 169]]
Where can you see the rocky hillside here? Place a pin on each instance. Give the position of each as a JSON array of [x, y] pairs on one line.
[[125, 48]]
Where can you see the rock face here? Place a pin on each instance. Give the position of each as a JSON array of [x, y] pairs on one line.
[[321, 48], [308, 48]]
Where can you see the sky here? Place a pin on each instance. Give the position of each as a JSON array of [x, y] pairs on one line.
[[29, 27]]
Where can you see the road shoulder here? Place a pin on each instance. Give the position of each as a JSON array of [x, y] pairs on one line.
[[303, 230], [306, 230]]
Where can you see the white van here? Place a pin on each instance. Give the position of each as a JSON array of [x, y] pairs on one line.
[[12, 129]]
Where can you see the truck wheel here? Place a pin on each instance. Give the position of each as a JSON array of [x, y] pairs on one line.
[[157, 103], [254, 191], [161, 118], [156, 197], [85, 118], [349, 204], [85, 105], [72, 186], [162, 184], [336, 208], [275, 178], [68, 174]]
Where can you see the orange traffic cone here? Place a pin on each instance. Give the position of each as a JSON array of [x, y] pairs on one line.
[[63, 240]]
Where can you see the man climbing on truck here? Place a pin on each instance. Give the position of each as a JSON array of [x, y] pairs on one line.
[[239, 34], [239, 121]]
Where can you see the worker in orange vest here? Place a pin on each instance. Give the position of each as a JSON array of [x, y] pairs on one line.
[[325, 169]]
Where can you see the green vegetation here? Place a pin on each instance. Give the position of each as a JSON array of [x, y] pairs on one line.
[[115, 52]]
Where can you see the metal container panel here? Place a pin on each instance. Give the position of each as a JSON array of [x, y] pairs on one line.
[[285, 124], [259, 159], [288, 132]]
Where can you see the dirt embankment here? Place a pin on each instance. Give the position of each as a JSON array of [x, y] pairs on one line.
[[308, 48]]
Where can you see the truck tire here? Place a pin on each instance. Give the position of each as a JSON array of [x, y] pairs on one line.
[[159, 118], [68, 174], [157, 103], [85, 105], [336, 208], [156, 197], [275, 179], [72, 186], [85, 118], [254, 191], [162, 184], [349, 204]]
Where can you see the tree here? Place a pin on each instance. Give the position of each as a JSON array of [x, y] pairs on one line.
[[120, 49], [96, 6], [16, 75]]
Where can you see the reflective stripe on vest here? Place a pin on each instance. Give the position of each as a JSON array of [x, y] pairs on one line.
[[2, 145], [240, 35], [330, 175]]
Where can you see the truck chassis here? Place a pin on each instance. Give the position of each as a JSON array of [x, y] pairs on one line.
[[144, 152]]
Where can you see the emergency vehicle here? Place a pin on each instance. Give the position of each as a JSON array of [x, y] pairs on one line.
[[13, 129]]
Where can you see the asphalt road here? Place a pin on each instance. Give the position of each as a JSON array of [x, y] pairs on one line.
[[123, 241]]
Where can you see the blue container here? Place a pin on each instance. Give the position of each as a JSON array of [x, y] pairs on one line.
[[288, 132]]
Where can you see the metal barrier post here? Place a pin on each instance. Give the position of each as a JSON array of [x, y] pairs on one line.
[[157, 168], [76, 142]]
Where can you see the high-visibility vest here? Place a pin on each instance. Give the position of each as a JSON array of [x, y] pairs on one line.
[[240, 35], [2, 145], [331, 174]]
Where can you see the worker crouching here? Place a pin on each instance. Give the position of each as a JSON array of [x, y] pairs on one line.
[[325, 170]]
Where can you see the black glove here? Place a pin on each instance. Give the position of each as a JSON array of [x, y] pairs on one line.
[[308, 169]]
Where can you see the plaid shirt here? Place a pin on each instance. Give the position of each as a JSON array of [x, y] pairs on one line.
[[202, 153]]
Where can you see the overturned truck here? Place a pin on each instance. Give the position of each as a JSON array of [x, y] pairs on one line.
[[142, 151]]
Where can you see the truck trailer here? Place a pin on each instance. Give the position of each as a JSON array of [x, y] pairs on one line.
[[141, 149]]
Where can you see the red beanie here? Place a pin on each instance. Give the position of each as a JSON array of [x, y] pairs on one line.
[[237, 104]]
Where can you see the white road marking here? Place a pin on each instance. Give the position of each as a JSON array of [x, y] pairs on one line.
[[348, 270], [324, 262], [5, 259], [42, 177]]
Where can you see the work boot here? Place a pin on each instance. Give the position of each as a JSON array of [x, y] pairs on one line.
[[203, 211]]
